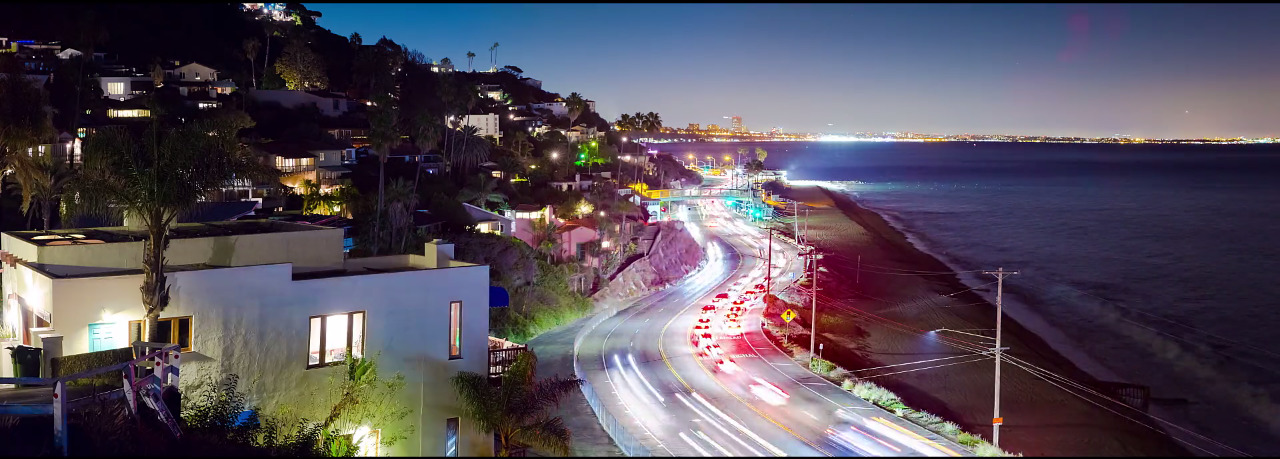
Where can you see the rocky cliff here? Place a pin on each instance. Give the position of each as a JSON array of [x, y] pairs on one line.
[[673, 255]]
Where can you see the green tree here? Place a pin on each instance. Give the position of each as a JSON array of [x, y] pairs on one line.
[[518, 410], [482, 191], [546, 241], [761, 154], [301, 67], [520, 145], [43, 180], [402, 202], [23, 121], [154, 176], [650, 122]]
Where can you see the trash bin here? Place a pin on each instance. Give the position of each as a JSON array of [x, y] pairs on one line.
[[26, 362]]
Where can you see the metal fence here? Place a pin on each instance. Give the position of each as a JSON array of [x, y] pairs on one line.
[[629, 444]]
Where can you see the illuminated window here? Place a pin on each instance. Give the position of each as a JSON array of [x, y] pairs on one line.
[[455, 330], [175, 330], [332, 335], [451, 437], [115, 88], [136, 113]]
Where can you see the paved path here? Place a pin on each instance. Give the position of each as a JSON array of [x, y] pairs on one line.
[[555, 356]]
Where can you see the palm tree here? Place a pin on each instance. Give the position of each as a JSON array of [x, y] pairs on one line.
[[469, 149], [23, 123], [650, 122], [626, 122], [157, 175], [43, 179], [521, 146], [493, 54], [402, 201], [251, 46], [382, 137], [576, 105], [313, 201], [517, 411], [426, 134], [470, 57], [546, 241], [482, 192]]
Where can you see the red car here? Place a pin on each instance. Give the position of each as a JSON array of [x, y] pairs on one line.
[[739, 301], [759, 287], [710, 308], [722, 296]]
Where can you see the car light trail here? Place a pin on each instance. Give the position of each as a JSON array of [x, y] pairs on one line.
[[916, 436], [718, 425], [645, 380], [713, 443], [880, 427], [740, 427], [694, 445], [873, 437]]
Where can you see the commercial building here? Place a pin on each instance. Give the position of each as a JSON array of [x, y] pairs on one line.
[[275, 303], [736, 124], [486, 125]]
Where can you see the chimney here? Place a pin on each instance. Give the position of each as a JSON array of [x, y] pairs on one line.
[[438, 253]]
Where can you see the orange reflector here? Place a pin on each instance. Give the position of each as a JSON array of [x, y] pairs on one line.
[[997, 421]]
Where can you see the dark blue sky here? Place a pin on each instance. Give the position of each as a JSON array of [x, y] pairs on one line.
[[1093, 69]]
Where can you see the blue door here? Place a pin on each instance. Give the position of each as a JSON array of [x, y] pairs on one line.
[[102, 337]]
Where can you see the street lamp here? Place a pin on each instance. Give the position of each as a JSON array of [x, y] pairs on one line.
[[555, 155]]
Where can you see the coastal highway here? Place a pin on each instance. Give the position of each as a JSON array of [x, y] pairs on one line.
[[649, 375]]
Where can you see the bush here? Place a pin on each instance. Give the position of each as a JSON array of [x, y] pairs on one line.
[[985, 449], [78, 363], [969, 440], [821, 366], [847, 384], [875, 394]]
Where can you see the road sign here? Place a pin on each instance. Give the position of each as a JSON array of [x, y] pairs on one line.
[[998, 421], [788, 315]]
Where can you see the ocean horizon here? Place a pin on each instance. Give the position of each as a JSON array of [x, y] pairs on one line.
[[1145, 264]]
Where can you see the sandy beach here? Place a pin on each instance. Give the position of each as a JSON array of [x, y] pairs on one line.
[[1039, 418]]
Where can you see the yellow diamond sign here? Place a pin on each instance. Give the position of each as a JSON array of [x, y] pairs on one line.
[[788, 315]]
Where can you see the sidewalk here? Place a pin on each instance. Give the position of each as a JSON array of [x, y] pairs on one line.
[[555, 356]]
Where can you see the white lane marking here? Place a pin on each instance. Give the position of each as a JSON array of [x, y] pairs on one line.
[[694, 445], [740, 427], [815, 418], [713, 443], [718, 425]]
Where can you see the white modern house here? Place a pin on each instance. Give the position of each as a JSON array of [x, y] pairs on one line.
[[486, 125], [489, 222], [275, 303], [556, 108]]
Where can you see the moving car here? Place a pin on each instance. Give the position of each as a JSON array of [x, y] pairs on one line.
[[767, 392], [711, 350], [722, 296], [759, 287], [737, 310], [726, 365], [733, 328]]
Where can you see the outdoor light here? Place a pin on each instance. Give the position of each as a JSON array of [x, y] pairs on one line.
[[624, 139], [555, 155]]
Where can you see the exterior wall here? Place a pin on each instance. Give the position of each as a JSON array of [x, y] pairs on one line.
[[127, 94], [194, 72], [293, 99], [253, 321], [569, 241], [308, 250], [486, 125], [557, 108]]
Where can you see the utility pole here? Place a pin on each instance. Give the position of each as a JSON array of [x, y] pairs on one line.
[[813, 326], [996, 420], [795, 221], [858, 278], [768, 273]]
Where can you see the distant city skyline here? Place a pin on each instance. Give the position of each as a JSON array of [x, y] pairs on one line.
[[1089, 70]]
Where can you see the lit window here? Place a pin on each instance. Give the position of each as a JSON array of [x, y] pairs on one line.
[[332, 335], [174, 330], [115, 88], [455, 330], [136, 113], [451, 437]]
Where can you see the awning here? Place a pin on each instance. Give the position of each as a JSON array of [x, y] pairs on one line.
[[498, 297]]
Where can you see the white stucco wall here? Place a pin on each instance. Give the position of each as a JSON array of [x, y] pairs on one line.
[[253, 321]]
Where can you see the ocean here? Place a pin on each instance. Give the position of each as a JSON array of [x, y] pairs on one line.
[[1156, 265]]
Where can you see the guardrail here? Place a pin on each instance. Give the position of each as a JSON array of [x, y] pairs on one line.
[[629, 444], [163, 361]]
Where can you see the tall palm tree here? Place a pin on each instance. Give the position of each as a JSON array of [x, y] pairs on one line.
[[651, 122], [23, 123], [402, 201], [470, 56], [518, 411], [493, 50], [313, 201], [426, 135], [251, 46], [469, 149], [43, 179], [521, 146], [576, 105], [382, 137], [154, 176], [482, 191]]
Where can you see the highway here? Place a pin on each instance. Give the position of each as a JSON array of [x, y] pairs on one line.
[[647, 371]]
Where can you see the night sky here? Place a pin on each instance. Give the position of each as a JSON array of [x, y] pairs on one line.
[[1154, 71]]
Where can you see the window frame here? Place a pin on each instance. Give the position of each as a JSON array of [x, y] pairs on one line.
[[452, 428], [455, 332], [324, 325], [173, 330]]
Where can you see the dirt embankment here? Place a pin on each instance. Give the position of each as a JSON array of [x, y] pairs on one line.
[[673, 255]]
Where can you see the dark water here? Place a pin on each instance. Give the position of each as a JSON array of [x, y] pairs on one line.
[[1150, 264]]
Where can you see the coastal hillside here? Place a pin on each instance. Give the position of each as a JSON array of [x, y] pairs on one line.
[[673, 254]]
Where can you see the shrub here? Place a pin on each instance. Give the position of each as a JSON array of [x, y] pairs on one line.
[[949, 429], [821, 366], [875, 394], [78, 363], [847, 384], [985, 449], [968, 440]]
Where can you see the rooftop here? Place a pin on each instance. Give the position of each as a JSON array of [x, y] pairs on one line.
[[82, 236]]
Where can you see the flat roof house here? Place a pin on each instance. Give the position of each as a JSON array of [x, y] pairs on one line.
[[273, 302]]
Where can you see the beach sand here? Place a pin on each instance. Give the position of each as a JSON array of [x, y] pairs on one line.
[[1039, 418]]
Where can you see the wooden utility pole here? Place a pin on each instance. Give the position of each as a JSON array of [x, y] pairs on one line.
[[996, 420]]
